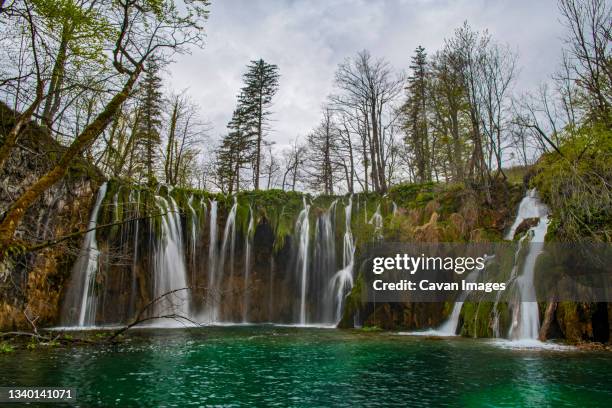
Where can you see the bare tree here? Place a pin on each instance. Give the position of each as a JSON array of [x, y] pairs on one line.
[[589, 24], [368, 87]]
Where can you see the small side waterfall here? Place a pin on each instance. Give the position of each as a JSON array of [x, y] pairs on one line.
[[170, 273], [342, 282], [302, 228], [377, 221], [526, 318], [449, 328], [248, 239], [85, 270]]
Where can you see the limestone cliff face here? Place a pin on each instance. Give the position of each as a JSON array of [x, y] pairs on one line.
[[31, 283]]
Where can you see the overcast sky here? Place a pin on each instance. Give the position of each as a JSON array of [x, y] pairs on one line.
[[308, 38]]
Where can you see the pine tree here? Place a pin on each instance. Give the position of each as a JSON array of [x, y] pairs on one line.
[[261, 84], [416, 112], [235, 152], [149, 128]]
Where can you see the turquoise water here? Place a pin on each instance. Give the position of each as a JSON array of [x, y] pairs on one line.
[[274, 366]]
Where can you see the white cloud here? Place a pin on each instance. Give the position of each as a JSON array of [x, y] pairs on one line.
[[307, 39]]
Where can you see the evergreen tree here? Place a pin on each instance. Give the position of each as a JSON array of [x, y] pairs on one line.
[[236, 151], [261, 83], [416, 112], [149, 128]]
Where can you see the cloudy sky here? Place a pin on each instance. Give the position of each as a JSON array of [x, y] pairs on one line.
[[308, 38]]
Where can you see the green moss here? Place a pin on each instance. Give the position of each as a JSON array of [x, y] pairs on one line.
[[353, 302], [370, 329], [476, 317]]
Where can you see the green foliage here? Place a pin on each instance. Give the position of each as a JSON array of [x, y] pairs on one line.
[[84, 29], [6, 348], [370, 329], [577, 186]]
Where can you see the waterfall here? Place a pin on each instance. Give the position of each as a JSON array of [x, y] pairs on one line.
[[394, 208], [169, 272], [530, 207], [342, 282], [135, 253], [212, 259], [377, 221], [302, 228], [271, 288], [82, 299], [247, 264], [526, 319], [228, 245], [449, 328], [324, 266], [193, 230]]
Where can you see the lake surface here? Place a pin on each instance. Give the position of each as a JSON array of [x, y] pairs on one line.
[[303, 367]]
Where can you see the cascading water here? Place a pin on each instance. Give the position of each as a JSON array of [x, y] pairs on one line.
[[449, 328], [247, 264], [526, 319], [302, 228], [135, 254], [394, 209], [342, 282], [193, 230], [82, 299], [228, 245], [169, 269], [377, 221], [323, 266], [212, 261]]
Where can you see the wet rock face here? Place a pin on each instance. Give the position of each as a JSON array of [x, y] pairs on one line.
[[527, 224], [579, 322]]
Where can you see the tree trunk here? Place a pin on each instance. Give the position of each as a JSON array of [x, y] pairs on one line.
[[57, 79], [259, 136], [16, 212], [11, 138]]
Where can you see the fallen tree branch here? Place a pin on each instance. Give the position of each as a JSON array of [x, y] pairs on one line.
[[140, 319], [55, 241]]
